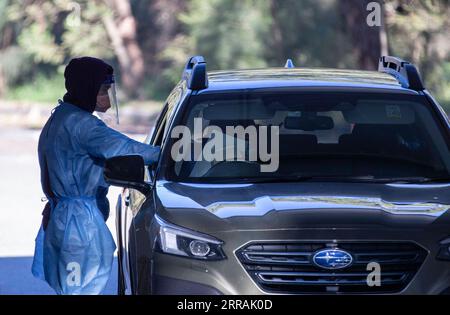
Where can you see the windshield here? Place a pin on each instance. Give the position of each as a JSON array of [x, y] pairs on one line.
[[262, 136]]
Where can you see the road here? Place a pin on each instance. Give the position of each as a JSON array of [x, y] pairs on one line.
[[20, 214]]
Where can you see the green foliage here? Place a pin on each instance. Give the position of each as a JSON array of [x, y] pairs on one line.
[[45, 40], [3, 16], [88, 37], [443, 88], [307, 32], [36, 37], [16, 65], [254, 34], [48, 36], [42, 90], [228, 33], [418, 31], [39, 43]]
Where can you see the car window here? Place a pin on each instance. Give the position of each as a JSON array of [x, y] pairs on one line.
[[159, 132], [156, 134], [323, 135], [172, 102]]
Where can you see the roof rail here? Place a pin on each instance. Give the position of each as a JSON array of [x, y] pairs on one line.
[[289, 64], [195, 73], [405, 72]]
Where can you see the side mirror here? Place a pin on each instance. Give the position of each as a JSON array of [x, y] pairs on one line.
[[126, 171]]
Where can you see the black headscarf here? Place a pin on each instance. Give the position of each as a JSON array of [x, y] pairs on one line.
[[84, 76]]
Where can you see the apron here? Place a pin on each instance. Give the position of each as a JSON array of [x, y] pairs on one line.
[[74, 249]]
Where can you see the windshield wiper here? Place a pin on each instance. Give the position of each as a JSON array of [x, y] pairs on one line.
[[433, 180], [343, 178], [303, 178], [411, 180], [364, 178]]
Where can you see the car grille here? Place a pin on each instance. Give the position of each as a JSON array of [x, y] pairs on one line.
[[287, 267]]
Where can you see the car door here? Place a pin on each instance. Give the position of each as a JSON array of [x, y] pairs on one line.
[[128, 205], [132, 200]]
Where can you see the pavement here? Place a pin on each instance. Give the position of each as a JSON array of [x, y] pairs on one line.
[[21, 207], [16, 278], [135, 117]]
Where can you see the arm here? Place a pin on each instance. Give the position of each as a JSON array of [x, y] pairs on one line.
[[103, 142]]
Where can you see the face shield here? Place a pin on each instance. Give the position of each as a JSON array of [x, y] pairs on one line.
[[107, 98]]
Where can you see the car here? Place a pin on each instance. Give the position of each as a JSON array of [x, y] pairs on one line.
[[289, 180]]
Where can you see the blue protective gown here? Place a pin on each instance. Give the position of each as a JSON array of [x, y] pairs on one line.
[[75, 253]]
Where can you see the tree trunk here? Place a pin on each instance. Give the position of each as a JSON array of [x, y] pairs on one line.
[[384, 43], [2, 82], [122, 30], [366, 40], [277, 50], [159, 26]]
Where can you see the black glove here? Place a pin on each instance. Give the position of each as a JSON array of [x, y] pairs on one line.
[[46, 215]]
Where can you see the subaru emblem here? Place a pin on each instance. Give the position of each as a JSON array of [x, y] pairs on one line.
[[332, 259]]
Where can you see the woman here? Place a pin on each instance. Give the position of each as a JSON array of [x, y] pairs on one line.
[[75, 253]]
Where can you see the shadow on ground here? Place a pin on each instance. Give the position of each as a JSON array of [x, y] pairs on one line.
[[16, 278]]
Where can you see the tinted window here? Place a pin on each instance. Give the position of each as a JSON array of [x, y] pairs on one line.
[[335, 135]]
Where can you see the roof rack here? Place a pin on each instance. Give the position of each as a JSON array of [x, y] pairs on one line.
[[289, 64], [195, 73], [405, 72]]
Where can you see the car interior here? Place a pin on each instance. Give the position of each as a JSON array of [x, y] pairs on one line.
[[379, 138]]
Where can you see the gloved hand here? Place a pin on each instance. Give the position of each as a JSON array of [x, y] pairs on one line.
[[46, 215]]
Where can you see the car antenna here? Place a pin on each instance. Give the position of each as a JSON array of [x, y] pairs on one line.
[[289, 64]]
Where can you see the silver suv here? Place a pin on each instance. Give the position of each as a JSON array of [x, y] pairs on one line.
[[289, 181]]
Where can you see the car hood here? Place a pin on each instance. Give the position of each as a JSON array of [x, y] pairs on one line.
[[227, 207]]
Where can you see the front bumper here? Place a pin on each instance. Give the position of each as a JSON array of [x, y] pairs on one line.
[[179, 275], [171, 286]]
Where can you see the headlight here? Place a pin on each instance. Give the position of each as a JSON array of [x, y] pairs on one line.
[[444, 251], [183, 242]]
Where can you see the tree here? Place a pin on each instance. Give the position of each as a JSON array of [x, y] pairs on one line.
[[365, 39], [149, 41], [158, 26], [307, 31], [105, 30], [4, 41], [419, 32], [121, 28], [230, 34]]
